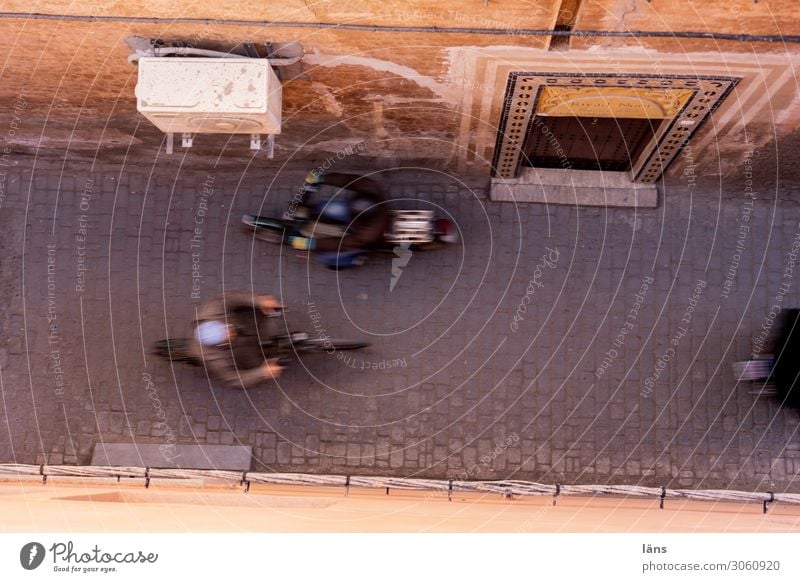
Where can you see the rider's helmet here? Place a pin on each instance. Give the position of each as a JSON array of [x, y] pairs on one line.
[[336, 210], [445, 231], [212, 333]]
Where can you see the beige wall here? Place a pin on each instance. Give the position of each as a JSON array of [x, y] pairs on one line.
[[118, 507]]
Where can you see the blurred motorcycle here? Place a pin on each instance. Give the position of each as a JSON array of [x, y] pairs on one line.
[[334, 218], [782, 367]]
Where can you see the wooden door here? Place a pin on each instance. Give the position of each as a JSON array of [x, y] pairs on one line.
[[587, 143]]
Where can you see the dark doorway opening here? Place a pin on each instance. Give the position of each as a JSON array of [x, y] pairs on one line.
[[587, 143]]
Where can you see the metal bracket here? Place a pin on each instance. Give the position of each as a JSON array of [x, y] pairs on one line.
[[269, 148], [251, 50], [768, 501], [187, 139]]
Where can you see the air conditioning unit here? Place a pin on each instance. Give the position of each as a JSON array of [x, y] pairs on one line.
[[190, 95]]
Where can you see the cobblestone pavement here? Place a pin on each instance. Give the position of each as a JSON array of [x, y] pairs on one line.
[[560, 344]]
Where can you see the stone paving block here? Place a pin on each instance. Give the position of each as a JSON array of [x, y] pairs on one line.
[[268, 456], [396, 459], [199, 431], [143, 427]]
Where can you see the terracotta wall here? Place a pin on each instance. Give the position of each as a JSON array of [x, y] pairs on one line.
[[397, 94], [739, 17], [376, 87]]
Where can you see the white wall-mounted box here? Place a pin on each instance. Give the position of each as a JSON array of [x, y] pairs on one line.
[[209, 95]]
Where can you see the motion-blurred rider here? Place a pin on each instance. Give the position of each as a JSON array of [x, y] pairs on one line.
[[347, 224], [231, 337]]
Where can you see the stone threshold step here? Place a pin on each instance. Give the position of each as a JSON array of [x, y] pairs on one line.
[[574, 188], [169, 456]]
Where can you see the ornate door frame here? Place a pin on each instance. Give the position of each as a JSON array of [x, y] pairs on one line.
[[524, 91]]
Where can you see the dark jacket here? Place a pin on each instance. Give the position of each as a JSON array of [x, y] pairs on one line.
[[368, 228], [237, 364]]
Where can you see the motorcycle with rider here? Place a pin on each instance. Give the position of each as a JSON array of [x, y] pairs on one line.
[[340, 231]]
